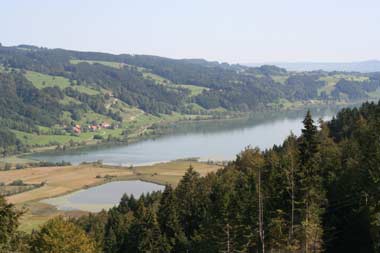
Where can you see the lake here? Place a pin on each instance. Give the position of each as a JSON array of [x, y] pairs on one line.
[[102, 197], [215, 140]]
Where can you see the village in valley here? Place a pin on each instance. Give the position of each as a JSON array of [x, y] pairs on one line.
[[78, 129]]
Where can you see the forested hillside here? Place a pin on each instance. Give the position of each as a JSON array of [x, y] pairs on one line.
[[52, 97], [318, 192]]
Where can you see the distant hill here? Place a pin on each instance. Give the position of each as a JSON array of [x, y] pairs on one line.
[[360, 66], [57, 97]]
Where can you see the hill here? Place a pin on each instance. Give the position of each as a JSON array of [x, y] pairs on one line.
[[360, 66], [56, 97]]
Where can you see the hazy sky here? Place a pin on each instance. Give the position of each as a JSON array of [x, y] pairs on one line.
[[224, 30]]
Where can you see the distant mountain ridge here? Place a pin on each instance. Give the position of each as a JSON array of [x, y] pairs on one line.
[[359, 66]]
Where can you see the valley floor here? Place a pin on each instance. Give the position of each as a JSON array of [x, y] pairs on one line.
[[63, 180]]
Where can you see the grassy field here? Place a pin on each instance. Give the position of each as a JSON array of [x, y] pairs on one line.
[[158, 79], [69, 100], [7, 190], [280, 79], [59, 180], [194, 90], [172, 172], [14, 160], [332, 80], [63, 180], [136, 122], [116, 65], [133, 120], [50, 140], [41, 81]]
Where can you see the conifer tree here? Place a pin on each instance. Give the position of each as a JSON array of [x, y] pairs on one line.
[[291, 167], [311, 186], [251, 162], [115, 229], [309, 140], [186, 194], [144, 234], [169, 223]]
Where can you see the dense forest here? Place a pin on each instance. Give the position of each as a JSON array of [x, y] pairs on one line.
[[42, 91], [318, 192]]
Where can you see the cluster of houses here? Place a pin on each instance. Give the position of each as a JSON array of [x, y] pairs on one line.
[[93, 128]]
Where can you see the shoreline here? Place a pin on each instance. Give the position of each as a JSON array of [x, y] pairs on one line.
[[166, 128], [115, 174], [60, 182]]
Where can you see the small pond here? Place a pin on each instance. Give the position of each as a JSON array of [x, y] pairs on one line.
[[104, 196]]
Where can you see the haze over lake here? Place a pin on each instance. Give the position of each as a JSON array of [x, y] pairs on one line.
[[216, 140]]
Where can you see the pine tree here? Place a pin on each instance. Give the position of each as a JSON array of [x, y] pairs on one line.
[[124, 204], [144, 234], [290, 170], [94, 226], [219, 234], [277, 231], [169, 222], [115, 229], [186, 194], [311, 186], [309, 141], [252, 163]]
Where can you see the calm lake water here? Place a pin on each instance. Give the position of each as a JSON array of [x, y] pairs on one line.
[[102, 197], [218, 140]]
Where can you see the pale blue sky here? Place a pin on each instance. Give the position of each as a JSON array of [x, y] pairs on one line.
[[224, 30]]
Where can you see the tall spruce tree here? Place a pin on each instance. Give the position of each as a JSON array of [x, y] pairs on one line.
[[291, 169], [311, 186], [168, 220], [251, 162], [309, 140], [144, 234], [115, 229], [186, 194]]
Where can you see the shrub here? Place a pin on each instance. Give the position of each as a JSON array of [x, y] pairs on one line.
[[59, 235], [19, 166], [98, 137], [17, 182]]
